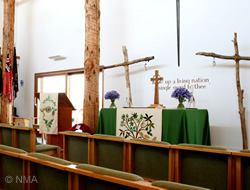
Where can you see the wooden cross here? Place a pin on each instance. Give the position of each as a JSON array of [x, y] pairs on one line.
[[237, 59], [157, 79], [126, 64]]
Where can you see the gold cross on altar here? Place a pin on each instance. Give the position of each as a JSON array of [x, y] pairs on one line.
[[157, 79]]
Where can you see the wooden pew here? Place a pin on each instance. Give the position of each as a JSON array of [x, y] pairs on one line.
[[25, 138], [153, 160], [11, 167], [171, 162], [205, 166], [80, 178], [21, 137], [101, 150], [76, 146], [47, 171], [242, 164], [62, 175], [87, 176], [108, 151], [105, 150]]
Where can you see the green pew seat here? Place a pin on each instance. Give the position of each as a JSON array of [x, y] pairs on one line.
[[11, 169], [109, 151], [176, 186], [49, 177], [94, 184], [7, 136], [76, 146], [150, 159], [204, 166]]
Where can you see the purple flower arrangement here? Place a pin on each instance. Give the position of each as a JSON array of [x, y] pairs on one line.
[[112, 95], [181, 94]]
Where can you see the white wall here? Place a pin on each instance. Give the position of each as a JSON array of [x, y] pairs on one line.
[[148, 28]]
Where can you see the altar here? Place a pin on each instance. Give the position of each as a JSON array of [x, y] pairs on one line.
[[178, 125]]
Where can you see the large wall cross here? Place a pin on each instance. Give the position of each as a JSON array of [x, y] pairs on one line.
[[236, 57]]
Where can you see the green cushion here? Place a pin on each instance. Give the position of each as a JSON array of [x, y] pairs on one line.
[[204, 169], [12, 167], [11, 149], [7, 136], [45, 147], [245, 151], [203, 146], [110, 172], [49, 158], [74, 155], [110, 152], [176, 186], [245, 161], [109, 136], [80, 133], [151, 162], [50, 178], [151, 141], [24, 140]]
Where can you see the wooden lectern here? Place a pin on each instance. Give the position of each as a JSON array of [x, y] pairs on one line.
[[65, 109]]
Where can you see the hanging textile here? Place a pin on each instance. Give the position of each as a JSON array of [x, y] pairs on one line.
[[1, 74], [15, 75], [48, 116], [7, 86]]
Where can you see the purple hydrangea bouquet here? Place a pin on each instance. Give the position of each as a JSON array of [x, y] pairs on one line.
[[182, 94], [112, 95]]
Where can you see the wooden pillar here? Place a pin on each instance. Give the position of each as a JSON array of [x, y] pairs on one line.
[[8, 41], [92, 64]]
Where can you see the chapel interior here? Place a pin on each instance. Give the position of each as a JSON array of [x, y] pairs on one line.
[[128, 94]]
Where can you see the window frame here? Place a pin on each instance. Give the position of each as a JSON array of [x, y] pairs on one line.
[[66, 73]]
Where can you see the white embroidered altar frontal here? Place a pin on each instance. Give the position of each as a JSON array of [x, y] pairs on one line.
[[48, 116], [139, 123]]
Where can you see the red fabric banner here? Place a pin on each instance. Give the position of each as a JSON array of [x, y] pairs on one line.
[[7, 86]]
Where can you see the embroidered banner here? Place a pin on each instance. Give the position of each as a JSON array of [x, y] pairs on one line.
[[48, 117], [139, 123]]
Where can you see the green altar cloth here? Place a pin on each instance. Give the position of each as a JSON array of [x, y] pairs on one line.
[[178, 125]]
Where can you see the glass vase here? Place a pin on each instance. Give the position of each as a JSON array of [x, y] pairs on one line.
[[180, 105], [112, 105]]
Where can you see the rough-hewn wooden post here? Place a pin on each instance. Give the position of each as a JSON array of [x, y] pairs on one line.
[[128, 87], [8, 40], [92, 63]]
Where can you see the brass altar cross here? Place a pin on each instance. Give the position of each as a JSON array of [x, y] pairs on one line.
[[157, 79]]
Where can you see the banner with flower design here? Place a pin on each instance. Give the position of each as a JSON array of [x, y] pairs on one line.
[[48, 117], [139, 123]]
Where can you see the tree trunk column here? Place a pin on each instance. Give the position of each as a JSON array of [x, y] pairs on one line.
[[8, 41], [91, 64]]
